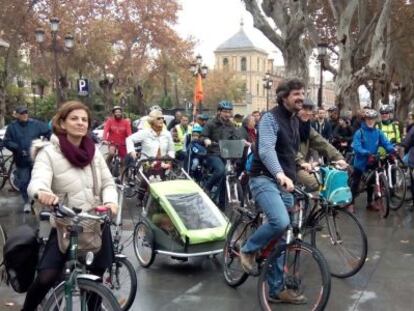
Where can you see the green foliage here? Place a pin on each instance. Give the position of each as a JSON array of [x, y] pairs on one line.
[[166, 102], [46, 107]]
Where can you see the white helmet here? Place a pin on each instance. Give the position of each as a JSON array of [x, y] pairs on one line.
[[155, 108]]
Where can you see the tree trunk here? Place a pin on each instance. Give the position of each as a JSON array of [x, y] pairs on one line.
[[348, 99], [403, 105]]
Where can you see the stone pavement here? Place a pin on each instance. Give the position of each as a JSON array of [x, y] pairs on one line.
[[386, 282]]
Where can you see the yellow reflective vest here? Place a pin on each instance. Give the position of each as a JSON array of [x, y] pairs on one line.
[[181, 133]]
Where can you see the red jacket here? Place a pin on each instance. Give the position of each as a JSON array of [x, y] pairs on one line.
[[116, 131]]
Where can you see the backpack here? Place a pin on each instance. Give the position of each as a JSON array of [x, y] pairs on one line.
[[249, 160], [20, 257], [335, 188]]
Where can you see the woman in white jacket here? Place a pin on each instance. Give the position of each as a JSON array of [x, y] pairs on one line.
[[70, 170], [156, 141]]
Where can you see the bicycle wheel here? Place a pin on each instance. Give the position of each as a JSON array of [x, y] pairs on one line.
[[3, 238], [383, 199], [3, 174], [115, 166], [144, 244], [93, 294], [128, 178], [237, 236], [121, 279], [399, 189], [13, 177], [342, 240], [304, 271]]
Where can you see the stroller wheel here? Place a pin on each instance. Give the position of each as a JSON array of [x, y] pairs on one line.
[[144, 244]]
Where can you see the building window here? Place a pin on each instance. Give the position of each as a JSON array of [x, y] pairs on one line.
[[258, 89], [225, 63], [243, 64]]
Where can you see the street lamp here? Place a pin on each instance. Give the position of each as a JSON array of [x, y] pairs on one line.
[[267, 84], [199, 71], [322, 47], [69, 42]]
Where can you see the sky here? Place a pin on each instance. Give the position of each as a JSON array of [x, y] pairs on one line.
[[211, 22]]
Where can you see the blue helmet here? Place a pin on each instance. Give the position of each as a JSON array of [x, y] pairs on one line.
[[225, 104], [197, 128]]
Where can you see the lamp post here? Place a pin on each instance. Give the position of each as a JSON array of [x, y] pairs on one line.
[[267, 84], [322, 47], [199, 72], [69, 42]]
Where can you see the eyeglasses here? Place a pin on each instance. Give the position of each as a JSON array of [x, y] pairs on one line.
[[160, 118]]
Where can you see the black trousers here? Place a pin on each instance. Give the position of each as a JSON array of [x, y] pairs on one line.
[[356, 179]]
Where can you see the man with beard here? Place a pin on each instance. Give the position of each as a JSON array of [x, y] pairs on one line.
[[273, 173], [116, 130], [311, 139]]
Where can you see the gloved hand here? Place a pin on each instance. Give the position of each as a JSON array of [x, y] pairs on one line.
[[372, 160]]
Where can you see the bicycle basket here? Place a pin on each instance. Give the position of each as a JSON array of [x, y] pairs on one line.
[[231, 149]]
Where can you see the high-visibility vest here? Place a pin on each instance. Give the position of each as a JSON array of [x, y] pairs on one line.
[[180, 135], [391, 131]]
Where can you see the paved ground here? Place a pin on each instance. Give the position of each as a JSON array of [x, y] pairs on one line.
[[386, 282]]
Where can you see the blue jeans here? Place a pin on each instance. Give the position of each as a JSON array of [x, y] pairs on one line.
[[274, 204], [216, 165], [23, 175]]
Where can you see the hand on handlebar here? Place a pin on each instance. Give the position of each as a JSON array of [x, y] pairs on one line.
[[341, 164], [113, 207], [285, 182], [207, 142], [47, 198], [306, 166]]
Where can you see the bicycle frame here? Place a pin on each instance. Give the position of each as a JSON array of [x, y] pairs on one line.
[[231, 175]]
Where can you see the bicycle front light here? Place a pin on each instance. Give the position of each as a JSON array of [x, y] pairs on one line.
[[89, 258]]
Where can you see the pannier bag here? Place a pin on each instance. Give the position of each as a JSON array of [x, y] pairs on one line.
[[20, 257], [89, 240], [335, 186]]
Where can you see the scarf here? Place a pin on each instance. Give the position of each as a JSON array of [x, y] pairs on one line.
[[252, 134], [304, 131], [77, 156]]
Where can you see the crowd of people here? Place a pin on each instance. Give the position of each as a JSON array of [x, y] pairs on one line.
[[65, 164]]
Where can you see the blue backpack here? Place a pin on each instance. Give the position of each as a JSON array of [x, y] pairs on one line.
[[336, 188]]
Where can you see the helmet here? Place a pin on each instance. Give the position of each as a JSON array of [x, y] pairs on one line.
[[155, 107], [197, 128], [225, 104], [370, 114], [385, 109], [308, 103], [116, 108], [203, 117]]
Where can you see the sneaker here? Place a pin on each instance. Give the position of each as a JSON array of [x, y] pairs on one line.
[[372, 206], [288, 296], [27, 208], [247, 261]]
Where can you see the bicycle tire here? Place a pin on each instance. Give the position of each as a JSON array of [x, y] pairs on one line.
[[115, 167], [3, 238], [57, 297], [399, 191], [334, 241], [12, 177], [3, 175], [295, 281], [231, 252], [128, 178], [115, 284], [147, 240], [384, 201]]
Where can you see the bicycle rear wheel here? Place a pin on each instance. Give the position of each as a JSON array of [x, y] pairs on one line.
[[3, 238], [399, 189], [384, 199], [3, 175], [305, 272], [121, 279], [93, 294], [129, 180], [237, 236], [342, 240], [13, 177]]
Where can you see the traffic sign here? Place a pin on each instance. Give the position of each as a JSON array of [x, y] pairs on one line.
[[83, 87]]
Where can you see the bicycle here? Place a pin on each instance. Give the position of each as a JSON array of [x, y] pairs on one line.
[[79, 291], [3, 238], [114, 161], [377, 173], [7, 169], [304, 268], [396, 181], [121, 278]]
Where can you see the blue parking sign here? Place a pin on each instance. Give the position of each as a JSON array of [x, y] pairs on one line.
[[83, 87]]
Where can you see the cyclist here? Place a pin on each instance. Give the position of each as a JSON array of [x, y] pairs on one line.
[[69, 168], [273, 172], [18, 139], [180, 131], [390, 127], [342, 136], [219, 128], [201, 120], [366, 142], [116, 130], [311, 139]]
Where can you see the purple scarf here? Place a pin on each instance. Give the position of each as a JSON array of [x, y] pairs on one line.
[[78, 156]]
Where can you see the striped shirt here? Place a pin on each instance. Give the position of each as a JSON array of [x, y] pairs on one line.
[[267, 139]]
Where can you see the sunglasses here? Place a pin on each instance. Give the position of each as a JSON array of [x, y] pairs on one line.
[[160, 118]]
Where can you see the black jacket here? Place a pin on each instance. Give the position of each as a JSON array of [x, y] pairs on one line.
[[325, 129]]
